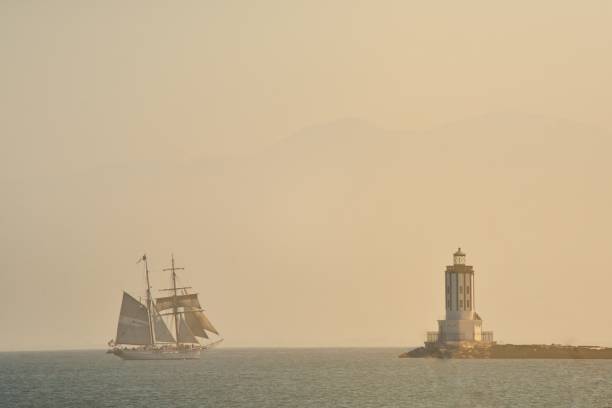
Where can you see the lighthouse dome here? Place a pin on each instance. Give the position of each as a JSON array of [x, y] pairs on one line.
[[459, 257]]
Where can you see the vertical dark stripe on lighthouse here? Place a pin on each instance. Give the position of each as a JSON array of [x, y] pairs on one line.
[[456, 291], [446, 292], [464, 292], [473, 293]]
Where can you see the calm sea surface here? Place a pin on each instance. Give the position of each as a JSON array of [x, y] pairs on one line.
[[298, 378]]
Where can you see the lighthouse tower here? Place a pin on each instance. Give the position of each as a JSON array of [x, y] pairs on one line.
[[462, 323]]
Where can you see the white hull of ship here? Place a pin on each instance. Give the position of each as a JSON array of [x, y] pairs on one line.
[[157, 354]]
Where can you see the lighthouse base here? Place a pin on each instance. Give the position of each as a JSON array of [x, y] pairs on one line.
[[462, 331]]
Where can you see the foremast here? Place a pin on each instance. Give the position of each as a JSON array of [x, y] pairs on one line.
[[149, 301], [138, 323]]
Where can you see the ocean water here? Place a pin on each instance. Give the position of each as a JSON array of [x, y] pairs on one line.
[[298, 378]]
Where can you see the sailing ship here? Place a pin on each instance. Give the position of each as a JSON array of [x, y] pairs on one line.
[[143, 332]]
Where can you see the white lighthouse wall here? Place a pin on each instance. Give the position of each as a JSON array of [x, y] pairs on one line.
[[462, 315], [459, 290]]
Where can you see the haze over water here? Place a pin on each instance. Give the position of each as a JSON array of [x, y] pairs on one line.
[[313, 165]]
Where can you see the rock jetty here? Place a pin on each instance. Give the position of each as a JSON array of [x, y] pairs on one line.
[[524, 351]]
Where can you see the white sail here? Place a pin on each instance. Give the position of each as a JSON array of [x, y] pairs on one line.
[[185, 335], [199, 323], [194, 324], [167, 302], [205, 323], [162, 333], [133, 327]]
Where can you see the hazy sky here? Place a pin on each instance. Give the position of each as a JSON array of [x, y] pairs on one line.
[[313, 164]]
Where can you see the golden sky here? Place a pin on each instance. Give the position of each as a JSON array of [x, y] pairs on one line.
[[313, 164]]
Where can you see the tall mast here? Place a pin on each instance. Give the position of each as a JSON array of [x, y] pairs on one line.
[[175, 306], [149, 300]]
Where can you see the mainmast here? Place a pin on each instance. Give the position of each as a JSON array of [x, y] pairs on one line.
[[149, 300], [186, 307], [175, 303]]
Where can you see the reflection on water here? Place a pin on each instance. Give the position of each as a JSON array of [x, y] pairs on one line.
[[299, 378]]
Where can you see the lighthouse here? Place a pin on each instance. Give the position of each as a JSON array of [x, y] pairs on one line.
[[462, 324]]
